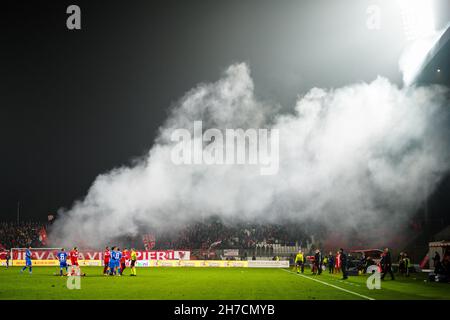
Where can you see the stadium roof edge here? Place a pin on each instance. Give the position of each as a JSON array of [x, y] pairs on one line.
[[437, 55]]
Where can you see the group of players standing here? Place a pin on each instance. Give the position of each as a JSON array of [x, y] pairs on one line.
[[115, 261]]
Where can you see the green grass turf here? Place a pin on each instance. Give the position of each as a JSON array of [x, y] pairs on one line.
[[209, 283]]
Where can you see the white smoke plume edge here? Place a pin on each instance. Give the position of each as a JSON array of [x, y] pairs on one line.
[[349, 157]]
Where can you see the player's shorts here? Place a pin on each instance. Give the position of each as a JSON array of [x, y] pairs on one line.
[[299, 263], [74, 263], [106, 263], [63, 264], [28, 262], [132, 263]]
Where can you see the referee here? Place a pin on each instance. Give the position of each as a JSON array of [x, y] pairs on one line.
[[133, 262]]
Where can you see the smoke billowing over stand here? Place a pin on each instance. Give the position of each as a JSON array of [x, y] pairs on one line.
[[356, 160]]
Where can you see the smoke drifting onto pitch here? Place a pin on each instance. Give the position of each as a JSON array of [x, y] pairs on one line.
[[349, 157]]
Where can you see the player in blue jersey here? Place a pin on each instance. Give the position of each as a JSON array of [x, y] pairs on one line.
[[62, 257], [28, 264], [119, 256], [112, 261]]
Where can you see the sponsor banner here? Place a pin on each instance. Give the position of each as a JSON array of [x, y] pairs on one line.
[[268, 264], [98, 255], [89, 263], [192, 263], [195, 263], [163, 255], [52, 255], [237, 264], [142, 263], [168, 263], [231, 252], [82, 263], [21, 263]]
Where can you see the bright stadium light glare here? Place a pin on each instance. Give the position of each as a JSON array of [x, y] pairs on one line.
[[421, 35], [417, 17]]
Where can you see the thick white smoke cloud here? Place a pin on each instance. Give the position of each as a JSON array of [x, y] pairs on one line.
[[351, 157]]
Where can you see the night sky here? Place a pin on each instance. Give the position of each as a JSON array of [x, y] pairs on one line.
[[74, 104]]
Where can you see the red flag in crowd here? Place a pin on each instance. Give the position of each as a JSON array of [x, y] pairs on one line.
[[43, 236], [149, 241]]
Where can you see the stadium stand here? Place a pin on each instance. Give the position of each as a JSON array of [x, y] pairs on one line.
[[22, 234]]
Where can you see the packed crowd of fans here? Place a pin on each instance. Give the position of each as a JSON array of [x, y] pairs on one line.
[[13, 235], [201, 235], [237, 235]]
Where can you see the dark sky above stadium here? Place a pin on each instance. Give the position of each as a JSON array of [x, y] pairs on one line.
[[74, 104]]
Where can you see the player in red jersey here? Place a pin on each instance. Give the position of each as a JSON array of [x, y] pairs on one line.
[[106, 257], [76, 271], [123, 260], [74, 256]]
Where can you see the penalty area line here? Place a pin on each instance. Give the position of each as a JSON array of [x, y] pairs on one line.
[[331, 285]]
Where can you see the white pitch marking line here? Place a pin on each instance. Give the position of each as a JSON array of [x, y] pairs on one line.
[[331, 285]]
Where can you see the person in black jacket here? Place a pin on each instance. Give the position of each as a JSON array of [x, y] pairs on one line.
[[437, 262], [331, 263], [8, 257], [386, 264], [318, 261], [343, 257]]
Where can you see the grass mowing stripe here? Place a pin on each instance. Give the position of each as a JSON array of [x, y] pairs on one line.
[[331, 285]]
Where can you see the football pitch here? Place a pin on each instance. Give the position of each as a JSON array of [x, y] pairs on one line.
[[212, 284]]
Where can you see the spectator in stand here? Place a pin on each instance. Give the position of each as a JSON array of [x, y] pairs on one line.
[[13, 235]]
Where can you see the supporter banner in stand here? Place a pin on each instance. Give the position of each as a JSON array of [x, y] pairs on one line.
[[231, 252]]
